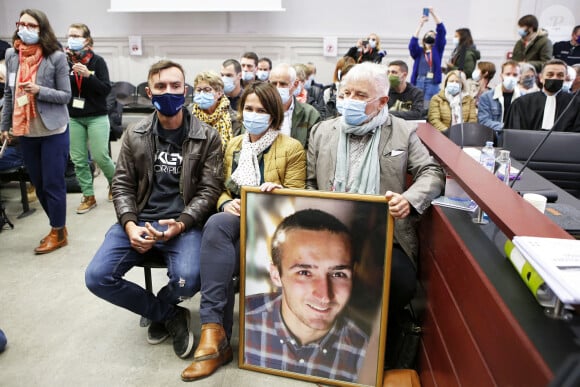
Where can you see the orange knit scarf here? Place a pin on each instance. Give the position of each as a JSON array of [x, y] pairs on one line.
[[30, 58]]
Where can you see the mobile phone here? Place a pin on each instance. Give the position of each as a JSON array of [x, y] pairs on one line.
[[4, 143], [426, 12]]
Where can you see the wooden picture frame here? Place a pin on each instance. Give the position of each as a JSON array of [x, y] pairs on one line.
[[317, 312]]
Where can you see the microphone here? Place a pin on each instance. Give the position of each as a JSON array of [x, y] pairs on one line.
[[537, 148]]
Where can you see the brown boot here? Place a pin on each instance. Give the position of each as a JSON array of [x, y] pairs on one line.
[[47, 235], [87, 204], [212, 352], [54, 240]]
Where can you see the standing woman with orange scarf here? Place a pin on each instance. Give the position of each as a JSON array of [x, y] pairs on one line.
[[35, 107]]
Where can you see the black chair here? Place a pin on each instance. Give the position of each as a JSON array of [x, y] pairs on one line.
[[472, 134], [558, 160], [142, 101], [125, 92], [20, 175]]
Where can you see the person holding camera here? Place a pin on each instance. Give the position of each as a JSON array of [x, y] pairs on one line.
[[367, 50]]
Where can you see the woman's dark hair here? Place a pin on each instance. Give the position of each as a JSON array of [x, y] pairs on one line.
[[529, 21], [465, 38], [270, 100], [86, 32], [47, 38]]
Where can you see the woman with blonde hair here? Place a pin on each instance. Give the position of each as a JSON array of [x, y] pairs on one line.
[[453, 104], [212, 106]]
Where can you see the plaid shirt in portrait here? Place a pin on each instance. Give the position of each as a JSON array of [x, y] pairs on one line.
[[269, 343]]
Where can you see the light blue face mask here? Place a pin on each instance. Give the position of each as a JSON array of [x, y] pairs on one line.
[[229, 84], [204, 100], [256, 123], [297, 90], [28, 36], [372, 43], [284, 93], [308, 83], [453, 88], [522, 32], [354, 111], [263, 75], [340, 106], [76, 44], [248, 76]]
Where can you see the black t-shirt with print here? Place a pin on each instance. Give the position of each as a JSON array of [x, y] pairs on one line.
[[166, 201]]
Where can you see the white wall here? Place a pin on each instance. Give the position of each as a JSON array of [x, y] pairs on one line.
[[201, 41]]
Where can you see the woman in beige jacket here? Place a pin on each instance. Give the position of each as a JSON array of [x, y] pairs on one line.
[[452, 105]]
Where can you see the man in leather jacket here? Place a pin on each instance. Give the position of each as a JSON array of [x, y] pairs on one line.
[[168, 178]]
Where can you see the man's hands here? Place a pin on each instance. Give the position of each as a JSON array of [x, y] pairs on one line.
[[399, 207], [144, 238]]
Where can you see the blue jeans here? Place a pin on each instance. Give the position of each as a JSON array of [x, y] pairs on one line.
[[429, 88], [115, 257], [220, 259], [45, 159]]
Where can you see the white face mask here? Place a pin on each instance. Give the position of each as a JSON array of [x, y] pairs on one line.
[[476, 75], [509, 83]]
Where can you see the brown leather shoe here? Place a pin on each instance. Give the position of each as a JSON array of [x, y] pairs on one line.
[[54, 240], [212, 352], [47, 235]]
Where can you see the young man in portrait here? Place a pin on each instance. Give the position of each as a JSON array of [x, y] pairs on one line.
[[304, 327]]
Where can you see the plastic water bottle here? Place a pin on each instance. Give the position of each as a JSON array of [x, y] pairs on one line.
[[487, 157], [505, 163]]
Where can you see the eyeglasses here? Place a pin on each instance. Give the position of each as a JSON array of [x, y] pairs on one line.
[[205, 89], [26, 25]]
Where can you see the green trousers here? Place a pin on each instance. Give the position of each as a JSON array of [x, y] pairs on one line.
[[93, 133]]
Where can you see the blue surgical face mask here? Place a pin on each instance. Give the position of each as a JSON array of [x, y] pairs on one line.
[[248, 76], [262, 75], [76, 44], [297, 90], [256, 123], [354, 111], [509, 83], [566, 86], [340, 105], [168, 104], [204, 100], [28, 36], [453, 88], [455, 41], [284, 93], [372, 43], [522, 32], [308, 83], [229, 84]]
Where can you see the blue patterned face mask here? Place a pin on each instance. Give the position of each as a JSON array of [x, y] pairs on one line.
[[168, 104], [354, 111], [229, 84], [204, 100], [256, 123], [28, 36]]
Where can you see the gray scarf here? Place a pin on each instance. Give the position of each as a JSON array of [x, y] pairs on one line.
[[367, 179]]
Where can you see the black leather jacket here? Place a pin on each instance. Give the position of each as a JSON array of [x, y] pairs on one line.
[[201, 180]]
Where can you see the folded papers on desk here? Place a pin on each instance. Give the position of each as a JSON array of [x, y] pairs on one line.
[[557, 261]]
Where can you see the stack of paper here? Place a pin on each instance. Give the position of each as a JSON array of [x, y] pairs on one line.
[[557, 261]]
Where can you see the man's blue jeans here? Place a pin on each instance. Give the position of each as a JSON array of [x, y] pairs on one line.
[[115, 257]]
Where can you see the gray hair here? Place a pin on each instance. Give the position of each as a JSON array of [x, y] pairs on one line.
[[285, 67], [374, 73]]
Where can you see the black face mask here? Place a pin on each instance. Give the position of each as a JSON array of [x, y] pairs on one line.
[[429, 39], [553, 85], [2, 84]]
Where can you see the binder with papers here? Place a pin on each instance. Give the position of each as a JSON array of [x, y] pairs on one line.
[[557, 261]]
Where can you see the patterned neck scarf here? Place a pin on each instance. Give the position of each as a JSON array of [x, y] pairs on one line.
[[220, 119], [248, 170], [30, 57], [83, 56]]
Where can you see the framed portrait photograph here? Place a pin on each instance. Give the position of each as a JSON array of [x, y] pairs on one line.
[[314, 285]]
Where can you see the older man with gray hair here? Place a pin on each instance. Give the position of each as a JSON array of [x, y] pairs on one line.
[[369, 151]]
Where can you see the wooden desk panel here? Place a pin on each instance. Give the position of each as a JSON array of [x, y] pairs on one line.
[[480, 340]]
